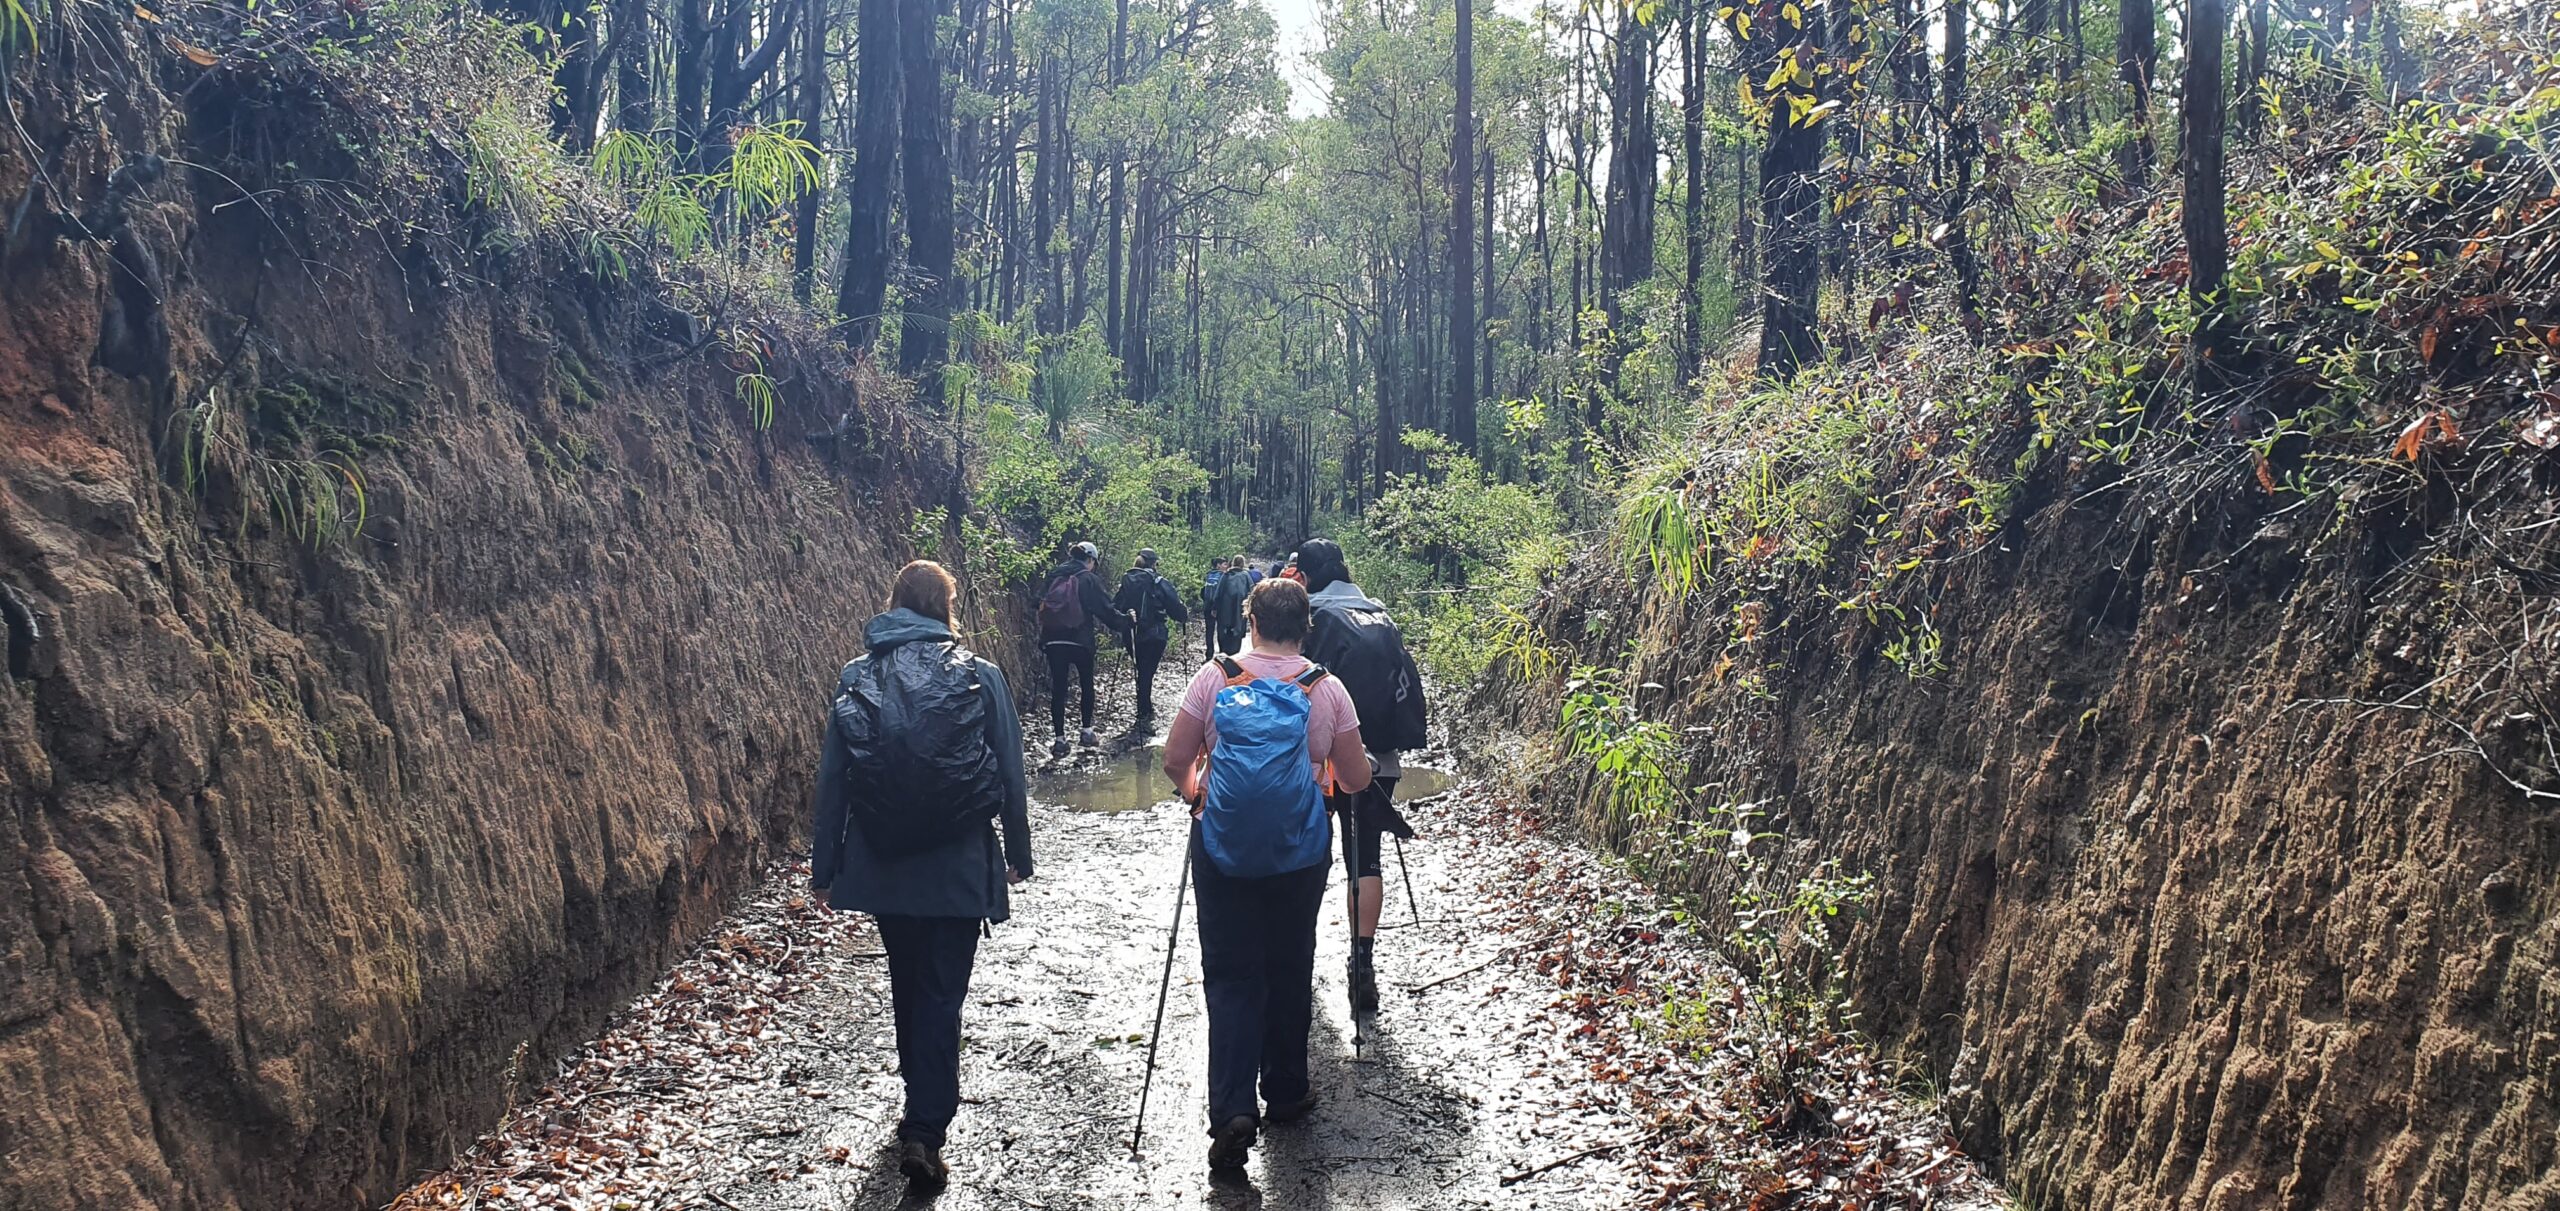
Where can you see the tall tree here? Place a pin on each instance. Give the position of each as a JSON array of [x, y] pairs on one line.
[[810, 110], [1963, 147], [864, 288], [1626, 229], [1462, 224], [1693, 183], [635, 98], [1791, 196], [2137, 61], [924, 335], [2200, 155]]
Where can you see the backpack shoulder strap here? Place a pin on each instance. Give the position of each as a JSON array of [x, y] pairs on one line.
[[1315, 673], [1234, 671]]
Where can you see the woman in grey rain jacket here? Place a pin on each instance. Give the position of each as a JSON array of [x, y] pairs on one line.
[[932, 904]]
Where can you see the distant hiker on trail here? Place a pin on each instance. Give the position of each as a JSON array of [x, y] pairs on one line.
[[1222, 606], [1250, 750], [1355, 638], [923, 752], [1211, 589], [1146, 596], [1252, 572], [1072, 604]]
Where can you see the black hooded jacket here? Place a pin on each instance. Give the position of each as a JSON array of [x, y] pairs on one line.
[[962, 879], [1135, 588], [1098, 611]]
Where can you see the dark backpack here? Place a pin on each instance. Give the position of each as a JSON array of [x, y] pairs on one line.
[[1365, 651], [1062, 607], [914, 725], [1151, 602]]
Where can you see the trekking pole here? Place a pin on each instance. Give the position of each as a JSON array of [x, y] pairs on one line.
[[1410, 900], [1163, 985], [1351, 869]]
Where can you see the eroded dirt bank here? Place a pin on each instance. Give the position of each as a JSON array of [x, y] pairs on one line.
[[315, 844], [2218, 868]]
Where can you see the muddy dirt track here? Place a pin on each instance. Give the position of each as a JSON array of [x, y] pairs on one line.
[[761, 1074]]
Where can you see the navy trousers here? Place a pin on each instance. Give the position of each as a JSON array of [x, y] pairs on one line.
[[1257, 972], [929, 961]]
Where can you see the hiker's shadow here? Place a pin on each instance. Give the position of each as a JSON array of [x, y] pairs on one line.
[[1380, 1116]]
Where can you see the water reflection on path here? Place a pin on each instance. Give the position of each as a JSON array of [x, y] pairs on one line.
[[1135, 780]]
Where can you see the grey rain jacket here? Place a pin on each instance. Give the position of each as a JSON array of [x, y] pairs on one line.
[[962, 879]]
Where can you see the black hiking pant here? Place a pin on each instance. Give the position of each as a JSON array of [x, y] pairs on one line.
[[1063, 657], [1150, 653], [929, 961], [1257, 973]]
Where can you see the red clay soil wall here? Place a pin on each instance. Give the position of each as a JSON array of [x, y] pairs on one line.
[[2201, 878], [313, 853]]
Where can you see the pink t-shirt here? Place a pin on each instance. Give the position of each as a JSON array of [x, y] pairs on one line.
[[1329, 709]]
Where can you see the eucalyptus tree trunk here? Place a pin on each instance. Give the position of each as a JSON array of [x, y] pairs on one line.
[[1462, 259], [924, 335], [1791, 209], [2137, 63], [810, 111], [864, 289]]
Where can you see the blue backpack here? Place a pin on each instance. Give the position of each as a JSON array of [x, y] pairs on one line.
[[1264, 813]]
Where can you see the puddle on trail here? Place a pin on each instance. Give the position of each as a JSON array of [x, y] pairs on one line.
[[1128, 782], [1134, 781]]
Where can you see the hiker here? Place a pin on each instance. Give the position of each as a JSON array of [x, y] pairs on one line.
[[1071, 608], [1222, 607], [923, 752], [1354, 637], [1148, 598], [1212, 590], [1256, 738]]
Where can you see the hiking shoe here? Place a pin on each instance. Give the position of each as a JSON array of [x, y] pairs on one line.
[[1229, 1145], [922, 1163], [1058, 747], [1092, 739], [1364, 984], [1290, 1112]]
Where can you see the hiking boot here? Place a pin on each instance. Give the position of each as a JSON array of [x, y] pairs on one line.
[[1364, 983], [1229, 1145], [922, 1163], [1290, 1112], [1058, 747], [1091, 738]]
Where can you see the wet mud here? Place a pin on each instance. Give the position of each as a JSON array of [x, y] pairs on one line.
[[761, 1074]]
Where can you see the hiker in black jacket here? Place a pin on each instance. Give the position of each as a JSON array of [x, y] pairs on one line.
[[1148, 598], [1073, 608], [1356, 638], [917, 850]]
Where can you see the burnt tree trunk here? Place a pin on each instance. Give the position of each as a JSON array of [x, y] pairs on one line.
[[2137, 62], [864, 291], [1791, 211], [2200, 156], [924, 335]]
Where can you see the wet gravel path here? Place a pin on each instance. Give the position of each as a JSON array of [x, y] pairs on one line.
[[761, 1074]]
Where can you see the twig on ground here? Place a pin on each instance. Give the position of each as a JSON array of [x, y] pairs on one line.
[[1510, 1179], [1496, 957]]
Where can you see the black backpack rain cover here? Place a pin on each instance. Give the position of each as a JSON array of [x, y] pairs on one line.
[[1365, 651], [914, 725]]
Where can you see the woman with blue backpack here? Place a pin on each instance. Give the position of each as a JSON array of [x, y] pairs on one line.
[[1253, 750]]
